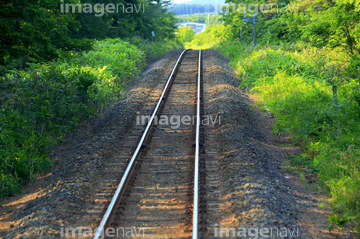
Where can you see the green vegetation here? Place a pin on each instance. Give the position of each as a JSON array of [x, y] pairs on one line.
[[211, 37], [299, 57], [41, 104], [54, 75], [61, 64], [208, 18], [185, 34], [38, 31], [297, 87]]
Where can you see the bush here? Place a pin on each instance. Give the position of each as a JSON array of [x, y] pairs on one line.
[[295, 83], [185, 34], [155, 49], [41, 104], [212, 36]]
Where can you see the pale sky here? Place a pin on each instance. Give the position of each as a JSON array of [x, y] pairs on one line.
[[199, 1], [181, 1]]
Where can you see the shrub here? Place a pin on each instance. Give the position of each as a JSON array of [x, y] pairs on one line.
[[41, 104], [295, 82]]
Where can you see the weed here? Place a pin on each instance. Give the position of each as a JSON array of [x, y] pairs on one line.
[[295, 82], [41, 104]]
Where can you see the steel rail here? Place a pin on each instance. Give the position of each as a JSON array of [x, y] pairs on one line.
[[195, 229], [100, 231]]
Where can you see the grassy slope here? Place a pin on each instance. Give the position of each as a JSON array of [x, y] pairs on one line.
[[40, 105], [295, 82]]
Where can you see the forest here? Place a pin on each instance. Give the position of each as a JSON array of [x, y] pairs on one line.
[[208, 18], [57, 70], [34, 31]]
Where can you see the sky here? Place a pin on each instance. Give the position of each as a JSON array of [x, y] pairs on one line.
[[181, 1], [199, 1]]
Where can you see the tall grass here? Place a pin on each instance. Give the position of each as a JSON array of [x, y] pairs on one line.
[[211, 37], [295, 82], [41, 104]]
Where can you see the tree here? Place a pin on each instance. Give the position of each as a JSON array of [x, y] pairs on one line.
[[34, 31], [185, 34], [338, 26]]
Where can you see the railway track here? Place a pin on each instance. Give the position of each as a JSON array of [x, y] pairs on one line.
[[160, 191]]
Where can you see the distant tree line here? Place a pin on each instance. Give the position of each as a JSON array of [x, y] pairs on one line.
[[182, 9], [33, 31], [201, 18]]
